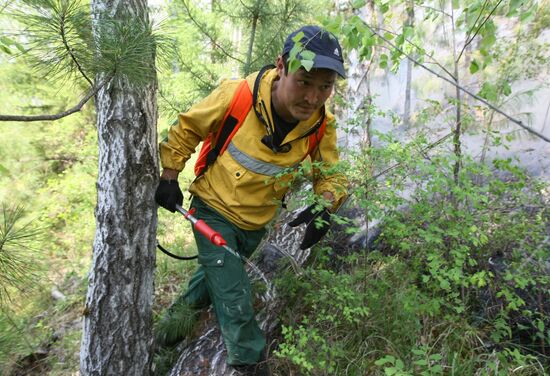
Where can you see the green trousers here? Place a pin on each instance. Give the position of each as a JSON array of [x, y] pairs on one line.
[[222, 280]]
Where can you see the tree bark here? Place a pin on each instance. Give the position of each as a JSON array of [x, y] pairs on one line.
[[458, 127], [407, 106], [117, 335], [251, 44]]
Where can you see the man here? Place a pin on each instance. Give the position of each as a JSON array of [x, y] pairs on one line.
[[240, 192]]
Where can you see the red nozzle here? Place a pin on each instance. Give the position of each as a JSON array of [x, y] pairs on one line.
[[218, 240], [214, 236]]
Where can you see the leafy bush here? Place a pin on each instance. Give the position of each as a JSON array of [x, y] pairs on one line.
[[458, 283]]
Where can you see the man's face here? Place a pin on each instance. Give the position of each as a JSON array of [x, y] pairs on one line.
[[298, 95]]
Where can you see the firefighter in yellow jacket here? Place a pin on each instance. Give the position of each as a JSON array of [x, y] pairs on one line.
[[240, 192]]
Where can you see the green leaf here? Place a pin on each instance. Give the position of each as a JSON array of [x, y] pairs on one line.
[[334, 24], [400, 40], [489, 40], [369, 41], [295, 50], [399, 364], [474, 66], [506, 89], [444, 284], [294, 65], [307, 64], [307, 55], [298, 37], [408, 31], [395, 67], [354, 39], [385, 360], [488, 91], [436, 357], [366, 52], [488, 33], [437, 369], [356, 4]]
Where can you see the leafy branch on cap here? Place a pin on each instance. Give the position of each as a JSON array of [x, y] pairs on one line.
[[299, 56]]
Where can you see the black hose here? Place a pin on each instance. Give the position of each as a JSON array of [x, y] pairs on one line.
[[167, 252]]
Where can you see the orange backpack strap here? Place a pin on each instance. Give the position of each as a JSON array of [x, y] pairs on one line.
[[234, 117], [315, 138]]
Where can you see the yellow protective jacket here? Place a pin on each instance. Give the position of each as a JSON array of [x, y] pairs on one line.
[[248, 181]]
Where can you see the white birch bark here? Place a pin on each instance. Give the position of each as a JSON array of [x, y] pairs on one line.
[[117, 335], [357, 92]]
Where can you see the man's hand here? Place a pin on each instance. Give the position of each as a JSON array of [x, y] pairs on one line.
[[318, 223], [169, 194]]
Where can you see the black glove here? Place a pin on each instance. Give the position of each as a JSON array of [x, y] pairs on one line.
[[169, 194], [314, 230]]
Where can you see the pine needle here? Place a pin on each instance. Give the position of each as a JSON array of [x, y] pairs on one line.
[[18, 267]]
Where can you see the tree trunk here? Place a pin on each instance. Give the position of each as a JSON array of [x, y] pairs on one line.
[[407, 106], [458, 126], [251, 44], [117, 335]]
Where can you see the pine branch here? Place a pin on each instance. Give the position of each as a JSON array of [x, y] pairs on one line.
[[59, 38], [4, 6], [16, 267], [50, 117], [69, 50]]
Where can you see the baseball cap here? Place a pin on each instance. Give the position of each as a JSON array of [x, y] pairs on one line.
[[328, 53]]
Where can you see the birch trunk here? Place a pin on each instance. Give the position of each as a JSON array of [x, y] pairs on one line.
[[358, 93], [407, 106], [251, 44], [117, 334]]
